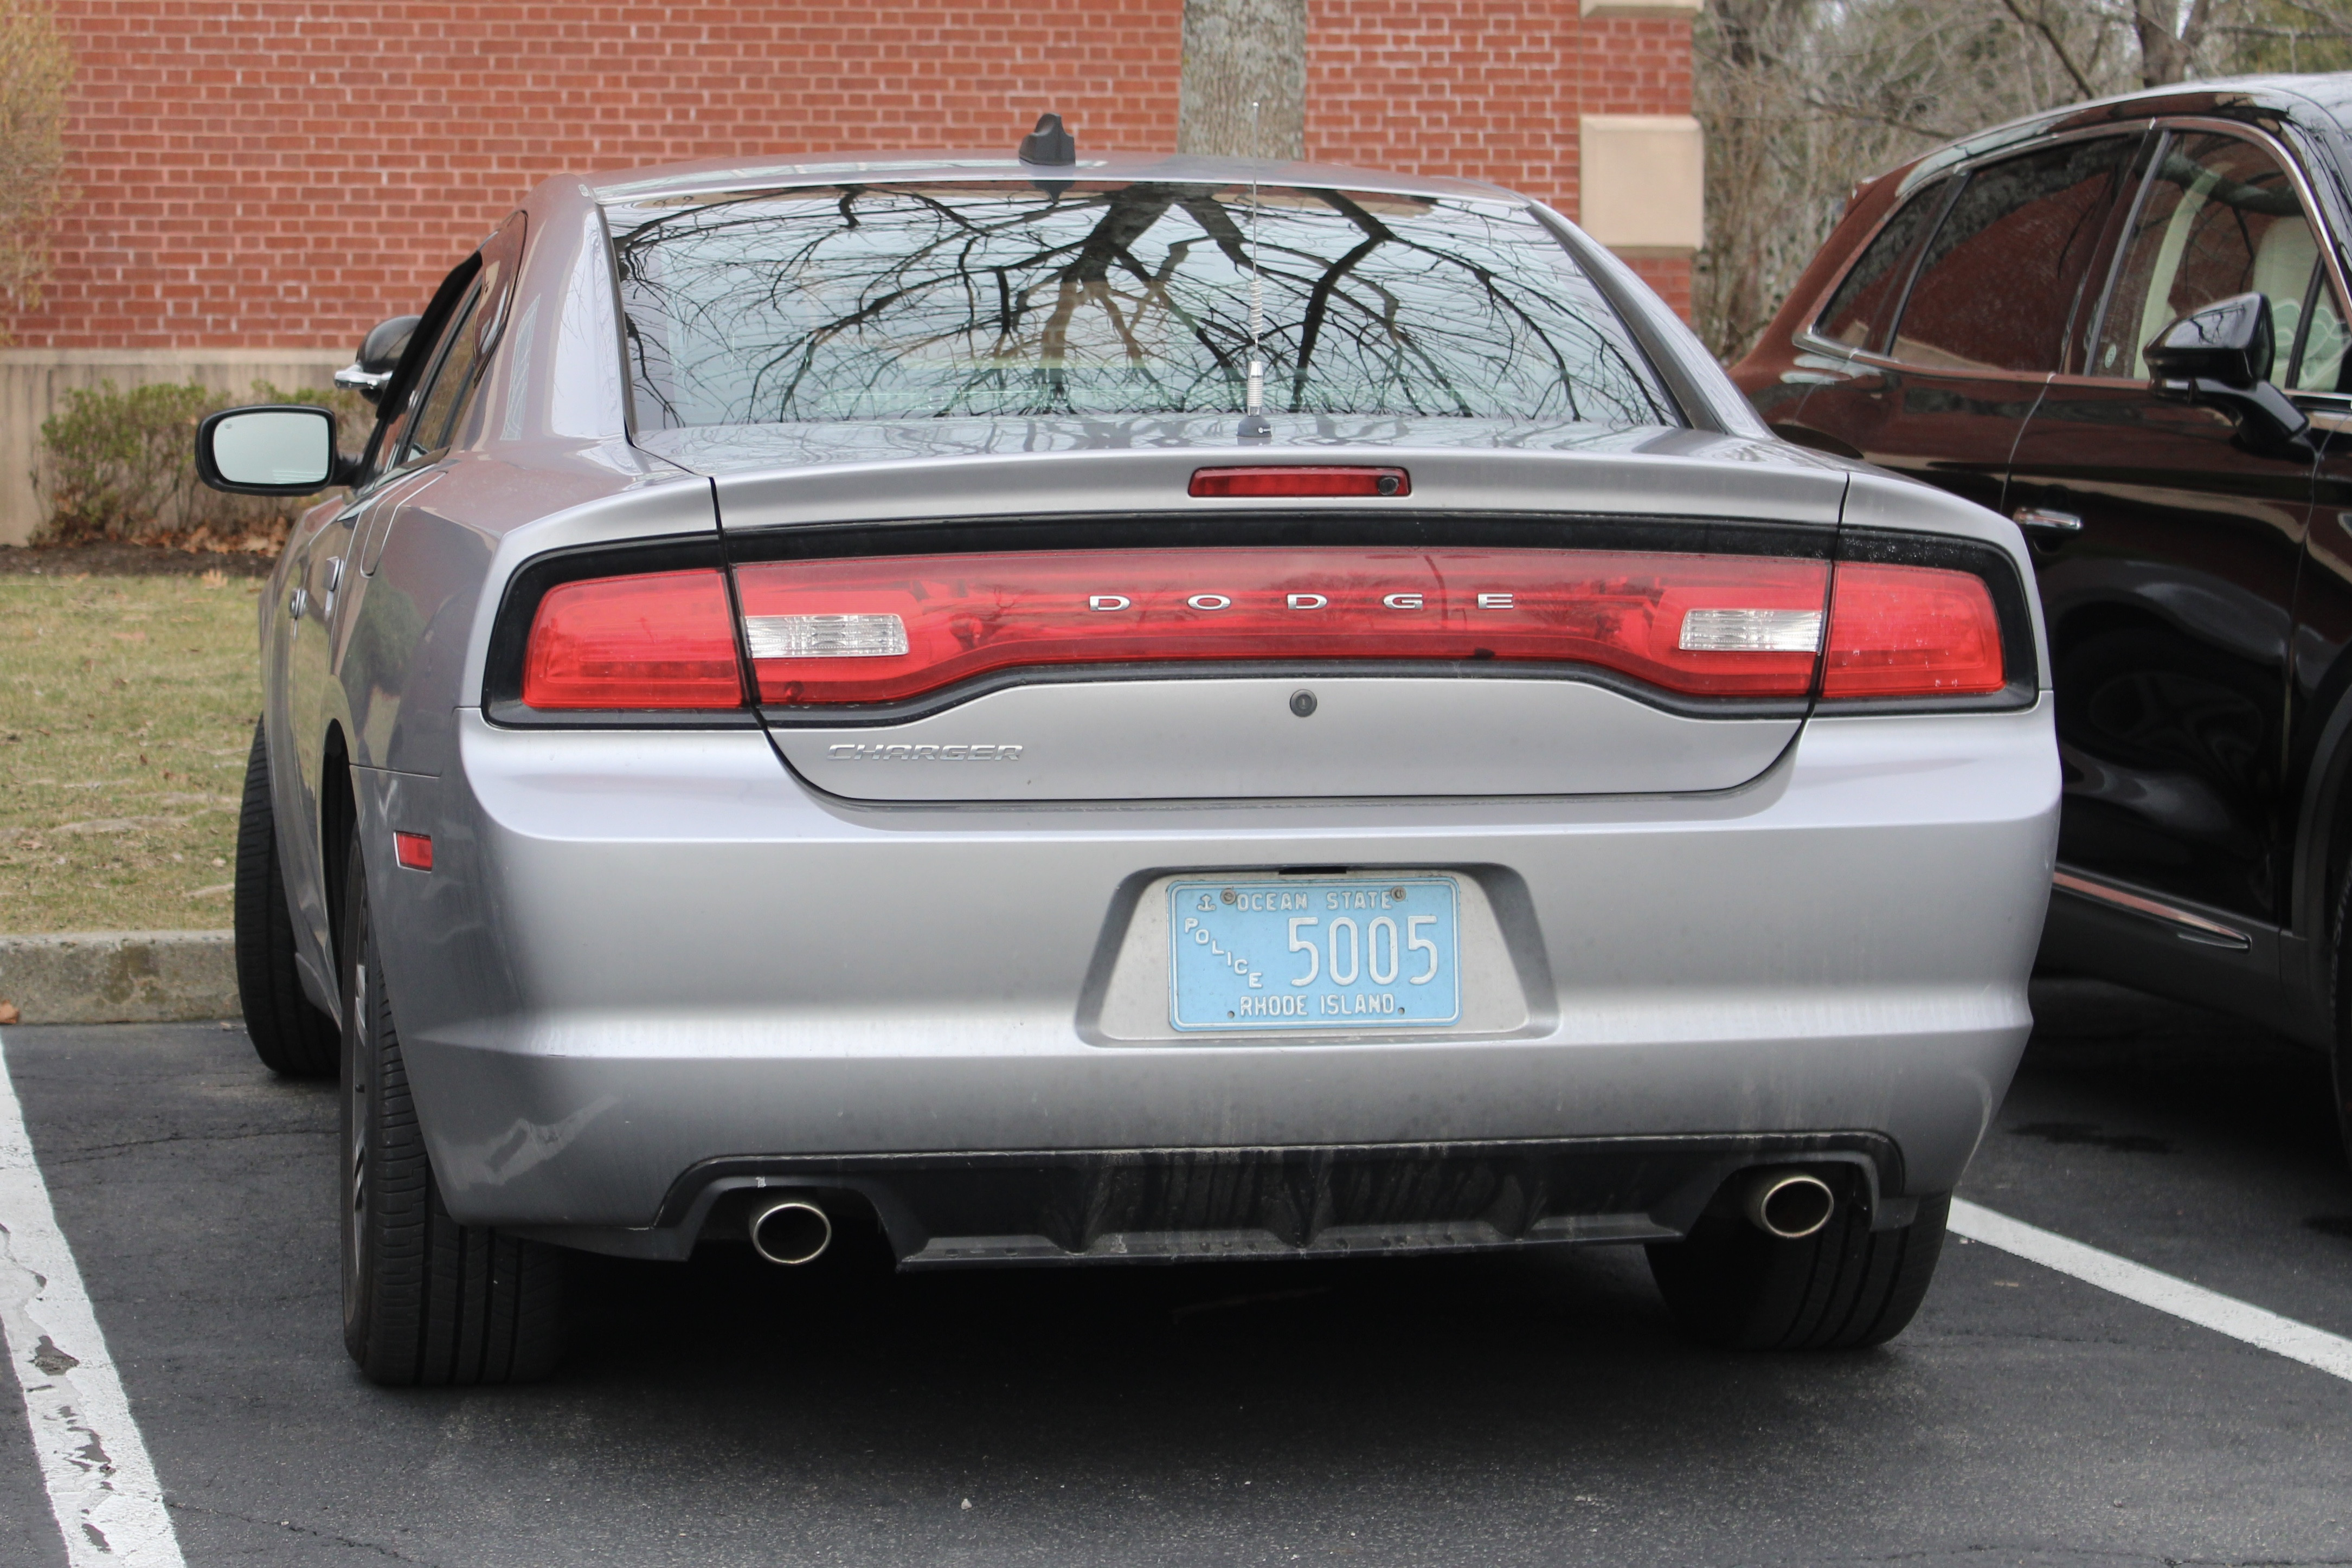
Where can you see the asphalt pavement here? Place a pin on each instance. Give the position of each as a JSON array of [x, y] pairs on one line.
[[1517, 1410]]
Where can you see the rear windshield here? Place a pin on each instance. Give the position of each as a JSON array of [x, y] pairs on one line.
[[922, 301]]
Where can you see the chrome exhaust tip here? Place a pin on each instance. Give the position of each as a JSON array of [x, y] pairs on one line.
[[791, 1232], [1789, 1205]]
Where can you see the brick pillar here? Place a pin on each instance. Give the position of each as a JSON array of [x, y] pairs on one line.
[[1642, 154]]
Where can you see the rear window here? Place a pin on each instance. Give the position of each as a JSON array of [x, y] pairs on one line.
[[915, 302]]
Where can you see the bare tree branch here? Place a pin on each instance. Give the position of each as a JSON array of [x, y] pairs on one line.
[[2040, 25]]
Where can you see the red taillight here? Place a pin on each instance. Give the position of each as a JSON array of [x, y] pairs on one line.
[[1301, 479], [413, 850], [1911, 631], [665, 639], [880, 629]]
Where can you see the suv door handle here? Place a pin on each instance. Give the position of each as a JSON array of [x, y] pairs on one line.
[[2046, 520]]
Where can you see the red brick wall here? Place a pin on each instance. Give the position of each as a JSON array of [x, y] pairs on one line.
[[1490, 89], [285, 173], [1629, 65], [1483, 89], [281, 173]]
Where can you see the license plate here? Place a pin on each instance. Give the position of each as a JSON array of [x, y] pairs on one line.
[[1309, 952]]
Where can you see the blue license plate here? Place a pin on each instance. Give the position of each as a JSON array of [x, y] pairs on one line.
[[1313, 953]]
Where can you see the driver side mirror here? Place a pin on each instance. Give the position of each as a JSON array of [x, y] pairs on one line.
[[2221, 357], [370, 371], [274, 449]]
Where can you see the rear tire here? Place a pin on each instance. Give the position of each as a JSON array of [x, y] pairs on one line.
[[1845, 1287], [2341, 1058], [289, 1034], [426, 1300]]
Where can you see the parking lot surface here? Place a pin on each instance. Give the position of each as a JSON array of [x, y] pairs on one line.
[[1528, 1409]]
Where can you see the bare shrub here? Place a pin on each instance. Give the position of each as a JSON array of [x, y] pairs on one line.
[[122, 465]]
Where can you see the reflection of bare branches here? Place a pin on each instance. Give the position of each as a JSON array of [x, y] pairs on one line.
[[995, 299]]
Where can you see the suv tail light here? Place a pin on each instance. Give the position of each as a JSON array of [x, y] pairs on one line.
[[1911, 631], [665, 639], [875, 629]]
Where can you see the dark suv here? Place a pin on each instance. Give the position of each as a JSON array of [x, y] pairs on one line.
[[1988, 319]]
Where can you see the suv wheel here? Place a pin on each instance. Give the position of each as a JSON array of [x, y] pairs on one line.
[[1843, 1288], [425, 1301], [2340, 1058], [290, 1034]]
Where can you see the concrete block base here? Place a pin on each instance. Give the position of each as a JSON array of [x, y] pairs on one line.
[[120, 977]]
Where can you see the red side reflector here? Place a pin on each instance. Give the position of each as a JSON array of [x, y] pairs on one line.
[[880, 629], [1911, 631], [1294, 480], [665, 639], [414, 850]]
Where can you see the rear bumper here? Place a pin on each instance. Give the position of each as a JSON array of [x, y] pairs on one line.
[[1173, 1205], [647, 961]]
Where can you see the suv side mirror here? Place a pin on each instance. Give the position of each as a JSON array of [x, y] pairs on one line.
[[370, 371], [273, 449], [2221, 357]]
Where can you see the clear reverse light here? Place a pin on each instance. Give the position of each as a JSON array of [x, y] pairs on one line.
[[1751, 631], [825, 636]]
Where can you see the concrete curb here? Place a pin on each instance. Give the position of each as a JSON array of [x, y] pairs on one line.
[[120, 977]]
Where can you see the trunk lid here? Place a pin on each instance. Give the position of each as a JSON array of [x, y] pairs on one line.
[[1548, 611]]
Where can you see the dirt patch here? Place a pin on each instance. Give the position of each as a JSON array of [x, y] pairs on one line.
[[113, 558]]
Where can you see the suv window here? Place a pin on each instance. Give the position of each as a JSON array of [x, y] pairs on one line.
[[2319, 358], [1997, 284], [2216, 217], [1865, 300]]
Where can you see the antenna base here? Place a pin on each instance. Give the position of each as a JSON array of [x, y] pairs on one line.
[[1255, 428]]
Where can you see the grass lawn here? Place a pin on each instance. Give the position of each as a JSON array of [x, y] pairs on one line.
[[127, 708]]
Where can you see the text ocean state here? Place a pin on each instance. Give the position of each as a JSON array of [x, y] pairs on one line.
[[1324, 953]]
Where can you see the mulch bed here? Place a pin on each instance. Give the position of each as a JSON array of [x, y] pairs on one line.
[[115, 558]]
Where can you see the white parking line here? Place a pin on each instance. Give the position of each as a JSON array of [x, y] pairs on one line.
[[2207, 1309], [101, 1485]]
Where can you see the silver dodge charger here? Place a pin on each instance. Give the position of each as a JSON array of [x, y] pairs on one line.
[[1049, 710]]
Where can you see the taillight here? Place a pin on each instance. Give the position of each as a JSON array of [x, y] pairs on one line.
[[665, 639], [1911, 631], [879, 628]]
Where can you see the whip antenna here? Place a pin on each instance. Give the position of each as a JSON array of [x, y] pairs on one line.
[[1254, 421]]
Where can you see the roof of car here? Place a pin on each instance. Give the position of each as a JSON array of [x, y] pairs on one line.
[[725, 175], [2309, 99]]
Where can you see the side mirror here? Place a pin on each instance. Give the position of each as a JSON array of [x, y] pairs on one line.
[[2229, 342], [371, 372], [2221, 357], [276, 450]]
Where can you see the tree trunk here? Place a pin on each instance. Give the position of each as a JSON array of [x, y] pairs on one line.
[[2165, 55], [1234, 51]]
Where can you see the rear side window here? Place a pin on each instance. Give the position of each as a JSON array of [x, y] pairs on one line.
[[429, 431], [987, 298], [1997, 283], [1865, 301]]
